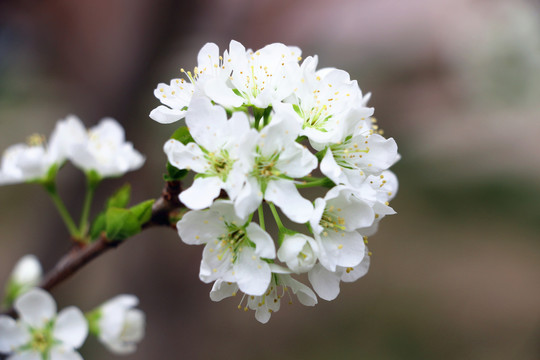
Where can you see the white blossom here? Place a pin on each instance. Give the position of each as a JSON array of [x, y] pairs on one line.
[[299, 252], [209, 78], [326, 282], [322, 100], [234, 249], [275, 159], [105, 151], [26, 274], [217, 153], [263, 77], [40, 333], [264, 305], [360, 152], [385, 187], [334, 221], [121, 326]]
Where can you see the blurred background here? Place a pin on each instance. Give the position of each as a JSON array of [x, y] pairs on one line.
[[455, 275]]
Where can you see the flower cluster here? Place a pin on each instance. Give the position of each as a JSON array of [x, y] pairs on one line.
[[101, 149], [41, 333], [260, 126]]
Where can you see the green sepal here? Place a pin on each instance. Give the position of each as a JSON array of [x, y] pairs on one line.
[[297, 110], [320, 154], [93, 318], [12, 292], [143, 211], [182, 134], [174, 174], [93, 178], [121, 224], [283, 232], [49, 180]]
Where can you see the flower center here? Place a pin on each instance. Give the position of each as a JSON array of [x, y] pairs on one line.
[[264, 169], [348, 153], [35, 140], [220, 164], [232, 241], [332, 221], [42, 340]]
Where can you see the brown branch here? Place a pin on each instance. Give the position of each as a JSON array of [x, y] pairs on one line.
[[82, 254]]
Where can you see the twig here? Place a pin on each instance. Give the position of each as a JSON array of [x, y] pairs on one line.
[[80, 255]]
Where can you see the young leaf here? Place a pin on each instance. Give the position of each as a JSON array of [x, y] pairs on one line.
[[143, 211], [121, 224], [120, 198]]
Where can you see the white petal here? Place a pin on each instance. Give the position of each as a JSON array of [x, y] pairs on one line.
[[262, 314], [340, 249], [36, 307], [205, 122], [296, 161], [201, 193], [188, 156], [358, 271], [252, 274], [12, 334], [223, 289], [62, 353], [216, 261], [305, 295], [113, 315], [27, 271], [264, 245], [316, 216], [217, 90], [200, 227], [165, 115], [290, 248], [134, 326], [324, 282], [330, 168], [71, 327], [248, 199], [284, 194], [27, 355]]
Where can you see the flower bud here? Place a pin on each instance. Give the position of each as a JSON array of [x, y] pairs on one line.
[[26, 274], [118, 325]]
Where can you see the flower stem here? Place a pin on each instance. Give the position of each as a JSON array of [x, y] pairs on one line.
[[91, 186], [276, 217], [261, 217], [325, 182], [62, 210]]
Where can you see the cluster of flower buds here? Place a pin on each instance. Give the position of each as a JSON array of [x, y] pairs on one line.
[[261, 126], [41, 333]]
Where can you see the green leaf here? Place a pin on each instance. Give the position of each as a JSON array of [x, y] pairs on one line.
[[120, 198], [143, 211], [182, 134], [121, 224], [97, 226]]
